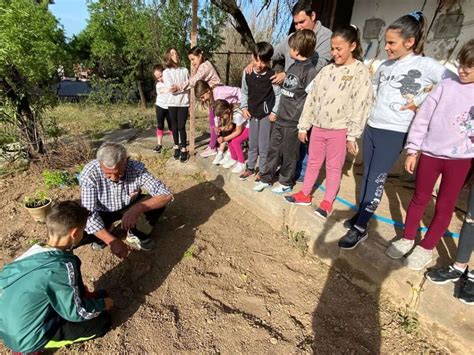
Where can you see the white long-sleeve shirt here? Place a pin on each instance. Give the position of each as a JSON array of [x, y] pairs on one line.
[[162, 94], [398, 82], [176, 76]]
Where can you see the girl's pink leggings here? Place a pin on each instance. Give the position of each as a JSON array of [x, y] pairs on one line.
[[329, 145], [235, 146]]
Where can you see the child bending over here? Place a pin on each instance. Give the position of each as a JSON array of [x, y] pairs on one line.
[[43, 301], [231, 129]]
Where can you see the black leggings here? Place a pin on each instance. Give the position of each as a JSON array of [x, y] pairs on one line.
[[178, 117], [162, 115]]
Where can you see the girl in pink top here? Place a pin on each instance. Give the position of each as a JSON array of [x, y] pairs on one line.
[[442, 134], [204, 71], [207, 96]]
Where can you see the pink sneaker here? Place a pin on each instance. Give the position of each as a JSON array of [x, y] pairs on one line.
[[208, 152]]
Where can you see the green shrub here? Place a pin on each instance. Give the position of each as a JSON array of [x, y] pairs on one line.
[[57, 178]]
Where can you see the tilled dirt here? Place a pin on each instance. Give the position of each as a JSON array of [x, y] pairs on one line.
[[220, 281]]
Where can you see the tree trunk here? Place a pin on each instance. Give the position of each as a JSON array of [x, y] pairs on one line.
[[241, 25], [141, 89], [26, 120]]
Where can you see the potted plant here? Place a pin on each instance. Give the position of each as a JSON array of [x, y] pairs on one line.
[[38, 205]]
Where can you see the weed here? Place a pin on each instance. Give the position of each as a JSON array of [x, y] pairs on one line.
[[407, 317], [57, 178], [39, 199], [298, 240], [198, 177], [189, 253], [33, 241]]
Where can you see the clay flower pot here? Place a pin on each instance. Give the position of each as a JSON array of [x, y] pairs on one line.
[[40, 212]]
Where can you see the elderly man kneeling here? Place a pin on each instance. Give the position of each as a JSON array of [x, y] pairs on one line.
[[112, 189]]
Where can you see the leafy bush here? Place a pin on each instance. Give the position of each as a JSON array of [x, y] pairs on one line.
[[54, 179]]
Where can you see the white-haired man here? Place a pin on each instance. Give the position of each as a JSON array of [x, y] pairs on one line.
[[112, 189]]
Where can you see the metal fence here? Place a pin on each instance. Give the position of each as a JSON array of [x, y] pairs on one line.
[[230, 65]]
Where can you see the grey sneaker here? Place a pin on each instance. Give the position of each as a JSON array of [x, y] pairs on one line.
[[418, 259], [399, 248], [139, 244]]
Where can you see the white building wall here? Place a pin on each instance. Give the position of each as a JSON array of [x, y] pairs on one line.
[[444, 50]]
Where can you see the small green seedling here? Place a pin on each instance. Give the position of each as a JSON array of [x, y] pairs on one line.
[[39, 199]]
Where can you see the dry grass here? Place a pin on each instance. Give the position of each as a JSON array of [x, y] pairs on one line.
[[95, 120]]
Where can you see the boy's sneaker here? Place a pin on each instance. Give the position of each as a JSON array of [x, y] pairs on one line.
[[258, 178], [218, 159], [229, 163], [282, 189], [260, 186], [418, 259], [299, 198], [246, 174], [157, 149], [238, 168], [352, 239], [139, 244], [466, 294], [208, 152], [324, 209], [399, 248], [177, 154], [444, 275]]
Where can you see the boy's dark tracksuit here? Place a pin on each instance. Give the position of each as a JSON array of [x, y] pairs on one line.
[[259, 98], [284, 143]]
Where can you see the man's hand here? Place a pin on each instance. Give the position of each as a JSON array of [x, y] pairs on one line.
[[246, 113], [109, 303], [410, 163], [278, 78], [119, 248], [303, 137], [272, 117], [130, 218], [248, 69], [352, 147]]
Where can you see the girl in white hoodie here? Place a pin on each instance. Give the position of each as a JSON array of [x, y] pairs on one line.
[[400, 85], [178, 103]]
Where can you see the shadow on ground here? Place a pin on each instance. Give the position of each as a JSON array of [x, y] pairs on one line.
[[141, 273]]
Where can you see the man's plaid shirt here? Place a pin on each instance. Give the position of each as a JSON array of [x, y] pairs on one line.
[[99, 194]]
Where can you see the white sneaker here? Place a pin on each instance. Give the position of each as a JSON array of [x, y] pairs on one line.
[[139, 244], [281, 189], [238, 168], [260, 186], [419, 258], [229, 164], [208, 152], [399, 248], [218, 159]]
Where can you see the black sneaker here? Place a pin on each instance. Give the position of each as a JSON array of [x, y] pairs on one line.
[[352, 238], [183, 156], [157, 149], [444, 275], [177, 154], [466, 294], [349, 223]]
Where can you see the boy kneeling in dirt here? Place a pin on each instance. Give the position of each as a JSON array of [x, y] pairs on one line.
[[43, 301]]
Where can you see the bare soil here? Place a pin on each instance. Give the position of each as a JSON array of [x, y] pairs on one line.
[[220, 281]]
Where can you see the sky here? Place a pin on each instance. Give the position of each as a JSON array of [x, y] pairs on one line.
[[72, 14]]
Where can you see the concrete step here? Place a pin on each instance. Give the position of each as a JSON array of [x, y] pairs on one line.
[[366, 266]]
